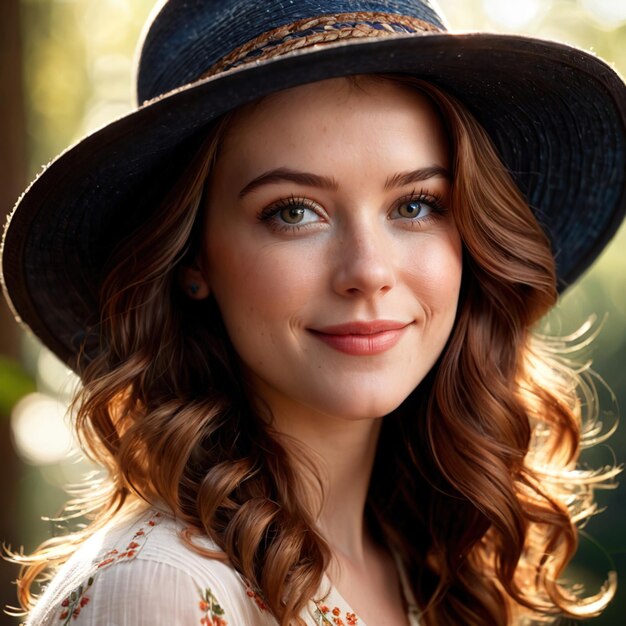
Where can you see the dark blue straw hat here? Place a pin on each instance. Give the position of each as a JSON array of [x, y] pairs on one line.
[[557, 116]]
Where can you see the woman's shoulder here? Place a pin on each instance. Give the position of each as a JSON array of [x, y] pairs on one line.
[[138, 570]]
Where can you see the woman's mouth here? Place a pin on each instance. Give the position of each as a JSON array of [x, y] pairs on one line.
[[362, 338]]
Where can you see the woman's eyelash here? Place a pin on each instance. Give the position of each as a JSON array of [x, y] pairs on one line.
[[433, 199], [285, 203]]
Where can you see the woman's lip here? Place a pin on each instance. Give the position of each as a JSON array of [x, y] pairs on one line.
[[362, 338], [362, 328]]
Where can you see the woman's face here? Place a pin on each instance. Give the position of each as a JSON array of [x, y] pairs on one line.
[[330, 246]]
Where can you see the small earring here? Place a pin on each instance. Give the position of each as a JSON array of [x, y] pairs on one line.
[[193, 289]]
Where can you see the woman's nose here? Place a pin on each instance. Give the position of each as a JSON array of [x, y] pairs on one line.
[[364, 261]]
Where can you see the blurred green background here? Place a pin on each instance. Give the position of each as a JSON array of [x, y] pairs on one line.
[[66, 68]]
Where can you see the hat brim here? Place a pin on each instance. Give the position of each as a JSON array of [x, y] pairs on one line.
[[557, 116]]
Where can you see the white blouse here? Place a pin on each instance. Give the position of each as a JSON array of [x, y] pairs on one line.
[[138, 572]]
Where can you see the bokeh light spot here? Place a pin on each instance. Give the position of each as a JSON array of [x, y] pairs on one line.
[[40, 430]]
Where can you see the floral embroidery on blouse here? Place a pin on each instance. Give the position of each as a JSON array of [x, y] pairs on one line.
[[72, 605], [257, 597], [254, 593], [213, 613], [77, 600], [324, 616], [133, 547]]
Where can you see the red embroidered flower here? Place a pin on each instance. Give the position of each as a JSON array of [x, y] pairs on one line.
[[75, 602], [213, 621], [257, 598], [213, 612], [127, 555], [333, 616]]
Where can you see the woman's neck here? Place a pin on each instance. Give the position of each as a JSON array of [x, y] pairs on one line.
[[341, 451], [349, 464]]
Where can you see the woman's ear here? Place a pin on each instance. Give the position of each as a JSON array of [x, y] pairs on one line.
[[192, 281]]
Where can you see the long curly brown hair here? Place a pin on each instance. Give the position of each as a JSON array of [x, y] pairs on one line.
[[482, 455]]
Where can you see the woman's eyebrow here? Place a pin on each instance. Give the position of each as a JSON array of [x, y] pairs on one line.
[[308, 179], [416, 176], [283, 173]]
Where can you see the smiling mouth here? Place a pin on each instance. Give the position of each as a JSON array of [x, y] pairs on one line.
[[362, 338]]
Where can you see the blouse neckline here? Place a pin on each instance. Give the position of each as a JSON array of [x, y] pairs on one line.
[[333, 609]]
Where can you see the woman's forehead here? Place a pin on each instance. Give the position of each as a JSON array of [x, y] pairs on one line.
[[342, 87], [308, 112]]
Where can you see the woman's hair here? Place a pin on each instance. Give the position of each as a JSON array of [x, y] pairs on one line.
[[481, 458]]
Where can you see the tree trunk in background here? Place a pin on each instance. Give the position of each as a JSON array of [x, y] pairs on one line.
[[13, 133], [12, 182]]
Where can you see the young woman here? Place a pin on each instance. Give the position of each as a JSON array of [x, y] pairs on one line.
[[300, 284]]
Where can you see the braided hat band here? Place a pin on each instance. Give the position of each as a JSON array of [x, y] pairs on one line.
[[319, 30]]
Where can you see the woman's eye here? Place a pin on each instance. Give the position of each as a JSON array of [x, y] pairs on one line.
[[292, 214], [416, 208], [297, 215], [413, 208]]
